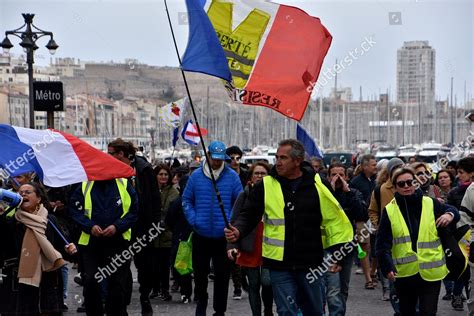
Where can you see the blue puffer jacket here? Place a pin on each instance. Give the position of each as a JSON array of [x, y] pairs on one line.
[[200, 205]]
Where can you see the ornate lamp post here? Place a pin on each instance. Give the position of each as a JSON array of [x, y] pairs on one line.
[[29, 35]]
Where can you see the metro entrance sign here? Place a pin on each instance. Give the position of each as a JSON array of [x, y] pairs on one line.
[[48, 96]]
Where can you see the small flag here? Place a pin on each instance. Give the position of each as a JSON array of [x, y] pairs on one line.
[[308, 142], [190, 133], [175, 136], [173, 112]]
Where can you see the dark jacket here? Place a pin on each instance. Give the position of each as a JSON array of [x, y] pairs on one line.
[[353, 204], [303, 242], [456, 195], [364, 185], [106, 207], [148, 194], [410, 207], [11, 240], [246, 243]]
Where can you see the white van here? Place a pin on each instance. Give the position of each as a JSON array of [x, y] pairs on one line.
[[249, 160]]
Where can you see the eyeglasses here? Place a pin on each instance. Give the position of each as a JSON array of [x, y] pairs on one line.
[[260, 174], [237, 158], [407, 183]]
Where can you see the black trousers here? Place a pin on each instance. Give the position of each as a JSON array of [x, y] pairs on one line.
[[413, 290], [103, 261], [144, 263], [161, 273], [205, 249]]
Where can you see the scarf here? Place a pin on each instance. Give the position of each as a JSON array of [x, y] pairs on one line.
[[37, 254], [217, 172]]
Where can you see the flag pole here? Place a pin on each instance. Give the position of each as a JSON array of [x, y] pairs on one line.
[[218, 194]]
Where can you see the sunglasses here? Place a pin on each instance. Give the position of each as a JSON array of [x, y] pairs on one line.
[[426, 173], [407, 183]]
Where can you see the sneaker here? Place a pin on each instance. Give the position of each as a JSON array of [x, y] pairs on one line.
[[237, 294], [146, 307], [447, 297], [185, 299], [165, 296], [359, 271], [386, 296], [64, 307], [154, 294], [457, 303], [81, 309], [175, 287], [78, 280]]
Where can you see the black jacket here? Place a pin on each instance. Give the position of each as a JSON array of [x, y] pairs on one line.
[[456, 195], [149, 201], [353, 204], [410, 207], [303, 243], [364, 185], [51, 286], [246, 243]]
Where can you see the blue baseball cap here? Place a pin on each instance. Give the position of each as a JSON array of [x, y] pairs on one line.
[[217, 150]]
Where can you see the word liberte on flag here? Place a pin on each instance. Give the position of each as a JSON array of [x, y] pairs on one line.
[[172, 113], [274, 52]]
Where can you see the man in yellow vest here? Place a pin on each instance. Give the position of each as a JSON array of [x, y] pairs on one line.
[[301, 219], [105, 211]]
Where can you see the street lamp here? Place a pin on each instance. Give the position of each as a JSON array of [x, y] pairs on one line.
[[28, 37]]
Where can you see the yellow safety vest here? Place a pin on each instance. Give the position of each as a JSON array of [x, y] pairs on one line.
[[335, 226], [429, 259], [126, 202]]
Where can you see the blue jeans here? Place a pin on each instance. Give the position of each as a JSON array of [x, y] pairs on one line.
[[64, 273], [292, 290], [337, 286]]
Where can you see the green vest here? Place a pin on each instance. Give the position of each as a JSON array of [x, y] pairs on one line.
[[335, 226], [126, 202], [429, 258]]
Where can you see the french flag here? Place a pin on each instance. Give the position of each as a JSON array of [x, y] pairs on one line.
[[58, 158]]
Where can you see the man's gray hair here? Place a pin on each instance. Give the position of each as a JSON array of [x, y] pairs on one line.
[[297, 149], [364, 161]]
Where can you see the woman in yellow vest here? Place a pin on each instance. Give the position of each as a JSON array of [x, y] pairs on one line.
[[408, 247]]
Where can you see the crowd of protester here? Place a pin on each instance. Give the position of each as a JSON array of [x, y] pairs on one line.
[[275, 231]]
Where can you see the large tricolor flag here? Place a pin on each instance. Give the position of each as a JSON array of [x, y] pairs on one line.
[[308, 142], [274, 52], [58, 158]]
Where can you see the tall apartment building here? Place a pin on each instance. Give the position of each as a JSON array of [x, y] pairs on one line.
[[416, 66]]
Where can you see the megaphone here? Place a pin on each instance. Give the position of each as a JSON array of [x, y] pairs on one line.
[[12, 199], [360, 253]]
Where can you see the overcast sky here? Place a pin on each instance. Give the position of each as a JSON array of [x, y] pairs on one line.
[[104, 30]]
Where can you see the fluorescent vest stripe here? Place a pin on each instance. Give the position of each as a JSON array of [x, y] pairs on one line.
[[124, 197], [335, 226], [429, 258]]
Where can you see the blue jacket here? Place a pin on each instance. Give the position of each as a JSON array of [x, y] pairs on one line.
[[200, 205]]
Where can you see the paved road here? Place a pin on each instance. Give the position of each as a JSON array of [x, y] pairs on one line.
[[361, 302]]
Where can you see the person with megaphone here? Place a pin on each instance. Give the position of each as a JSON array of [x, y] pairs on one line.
[[31, 255]]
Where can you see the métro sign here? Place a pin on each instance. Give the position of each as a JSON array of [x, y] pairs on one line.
[[48, 96]]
